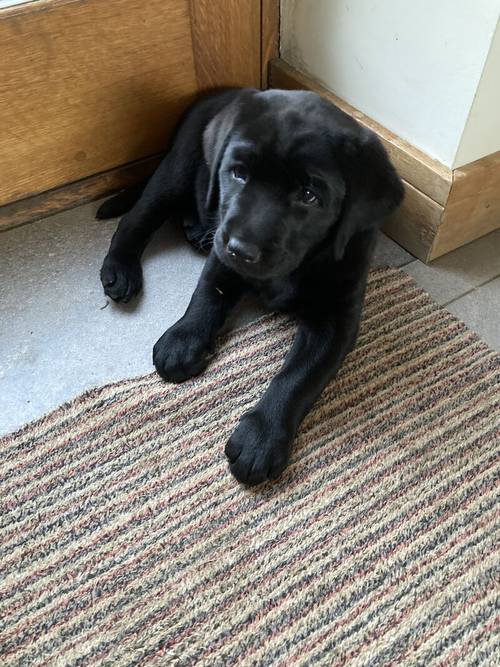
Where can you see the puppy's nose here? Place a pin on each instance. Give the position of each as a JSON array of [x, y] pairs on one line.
[[244, 250]]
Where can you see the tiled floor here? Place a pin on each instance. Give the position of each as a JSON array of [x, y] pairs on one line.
[[60, 336]]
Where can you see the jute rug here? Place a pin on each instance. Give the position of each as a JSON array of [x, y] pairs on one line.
[[125, 540]]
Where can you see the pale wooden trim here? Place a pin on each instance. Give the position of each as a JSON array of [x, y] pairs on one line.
[[415, 224], [74, 194], [416, 167], [473, 207]]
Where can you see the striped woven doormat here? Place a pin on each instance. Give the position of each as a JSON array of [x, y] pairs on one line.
[[124, 540]]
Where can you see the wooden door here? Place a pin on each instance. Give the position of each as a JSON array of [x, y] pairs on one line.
[[87, 86]]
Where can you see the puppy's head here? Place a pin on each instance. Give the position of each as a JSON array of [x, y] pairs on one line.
[[290, 174]]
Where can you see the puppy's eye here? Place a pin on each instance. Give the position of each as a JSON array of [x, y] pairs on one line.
[[307, 196], [240, 174]]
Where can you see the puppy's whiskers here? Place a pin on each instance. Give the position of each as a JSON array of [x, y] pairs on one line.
[[207, 239]]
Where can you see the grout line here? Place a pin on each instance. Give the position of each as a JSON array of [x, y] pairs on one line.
[[473, 289]]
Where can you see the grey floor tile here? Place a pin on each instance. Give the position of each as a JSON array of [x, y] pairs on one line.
[[389, 253], [480, 310], [458, 272], [59, 334]]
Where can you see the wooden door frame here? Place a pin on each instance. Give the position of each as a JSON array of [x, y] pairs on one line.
[[100, 184]]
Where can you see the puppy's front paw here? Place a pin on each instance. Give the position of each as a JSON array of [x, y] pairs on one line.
[[180, 354], [121, 279], [256, 452]]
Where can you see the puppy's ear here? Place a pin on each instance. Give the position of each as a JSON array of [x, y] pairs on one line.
[[215, 140], [373, 187]]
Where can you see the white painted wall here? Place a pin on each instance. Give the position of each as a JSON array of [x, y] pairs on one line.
[[481, 135], [9, 3], [412, 65]]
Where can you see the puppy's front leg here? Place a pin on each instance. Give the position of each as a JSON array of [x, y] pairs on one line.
[[260, 446], [185, 349]]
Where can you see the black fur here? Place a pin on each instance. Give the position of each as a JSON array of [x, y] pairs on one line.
[[288, 192]]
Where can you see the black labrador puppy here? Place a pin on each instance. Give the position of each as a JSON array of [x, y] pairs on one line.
[[289, 191]]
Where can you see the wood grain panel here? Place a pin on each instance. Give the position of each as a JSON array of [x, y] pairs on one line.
[[473, 207], [416, 167], [68, 196], [226, 42], [270, 31], [95, 85]]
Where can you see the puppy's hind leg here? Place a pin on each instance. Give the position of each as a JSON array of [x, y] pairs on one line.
[[120, 203]]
